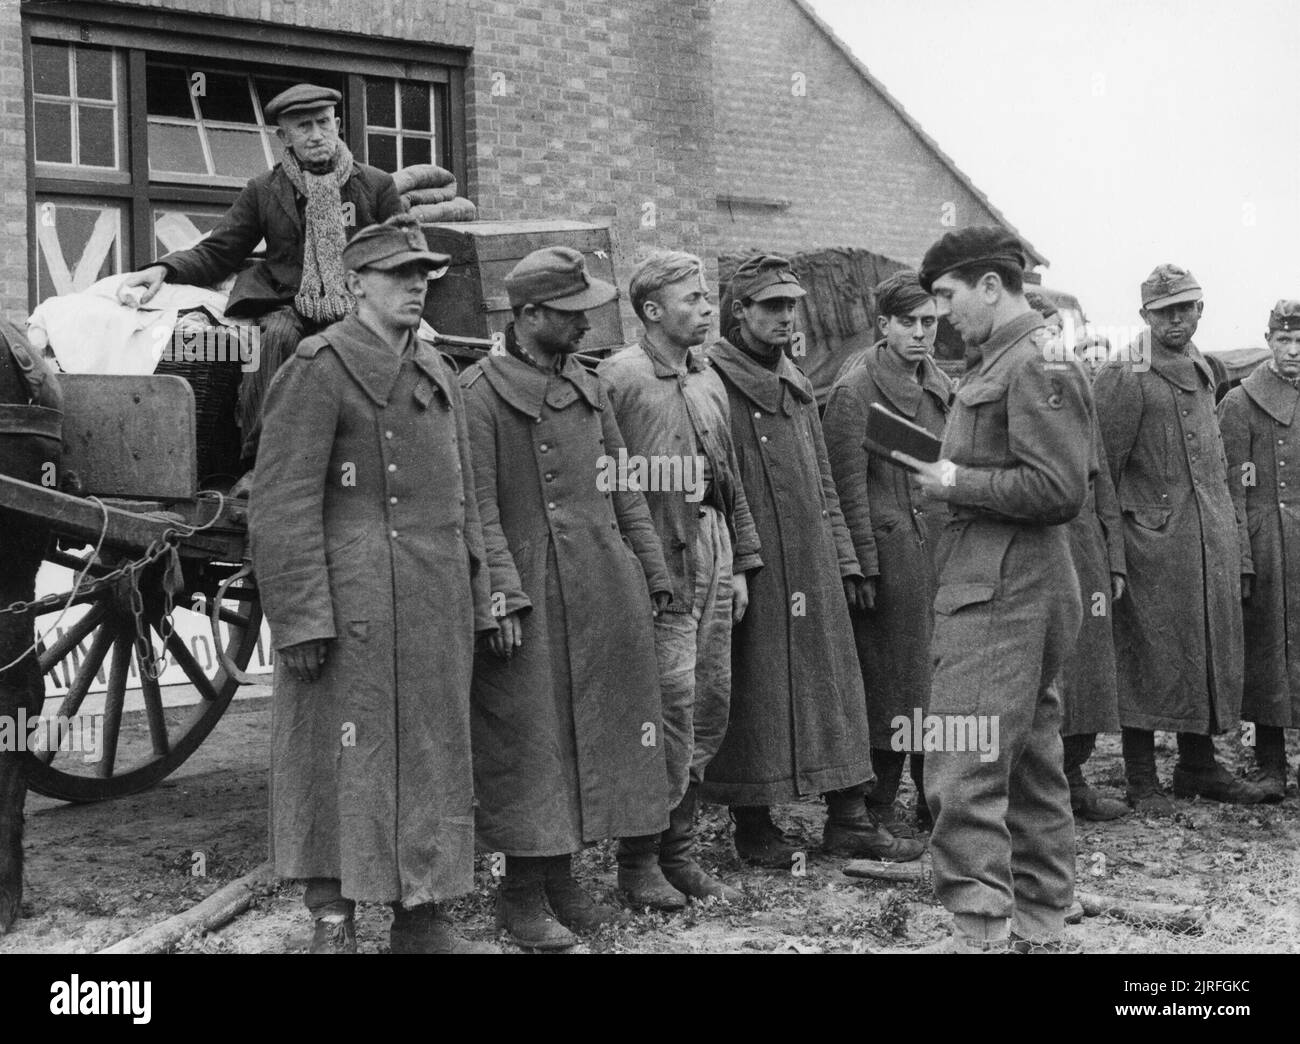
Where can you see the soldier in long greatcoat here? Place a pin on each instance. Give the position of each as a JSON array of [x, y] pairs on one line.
[[894, 528], [798, 712], [1178, 630], [1088, 686], [370, 561], [1258, 422], [568, 725]]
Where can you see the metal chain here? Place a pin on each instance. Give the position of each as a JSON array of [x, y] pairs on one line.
[[151, 666]]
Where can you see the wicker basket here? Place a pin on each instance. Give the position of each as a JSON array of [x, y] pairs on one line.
[[216, 393]]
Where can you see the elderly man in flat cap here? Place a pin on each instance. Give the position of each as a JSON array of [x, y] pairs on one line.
[[370, 559], [1258, 420], [1013, 468], [893, 526], [567, 722], [1178, 631], [305, 208], [798, 713]]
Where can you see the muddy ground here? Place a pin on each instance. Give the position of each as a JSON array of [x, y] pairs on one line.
[[99, 873]]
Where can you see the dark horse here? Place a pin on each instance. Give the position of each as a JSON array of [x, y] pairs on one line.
[[30, 448]]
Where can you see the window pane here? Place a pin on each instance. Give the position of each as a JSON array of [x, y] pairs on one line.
[[277, 149], [380, 103], [224, 97], [168, 92], [181, 229], [78, 245], [96, 128], [381, 151], [415, 150], [53, 127], [237, 153], [50, 68], [94, 73], [176, 147], [415, 106]]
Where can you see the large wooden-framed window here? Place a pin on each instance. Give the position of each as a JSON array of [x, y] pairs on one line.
[[144, 125]]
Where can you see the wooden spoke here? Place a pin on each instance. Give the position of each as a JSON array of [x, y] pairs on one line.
[[231, 617], [114, 700], [176, 647], [73, 637], [80, 684], [153, 709]]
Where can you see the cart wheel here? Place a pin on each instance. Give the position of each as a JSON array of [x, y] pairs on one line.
[[138, 731]]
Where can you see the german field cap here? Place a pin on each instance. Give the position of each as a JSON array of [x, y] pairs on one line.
[[970, 246], [557, 277], [1169, 285], [298, 97], [1285, 315], [394, 242], [763, 277]]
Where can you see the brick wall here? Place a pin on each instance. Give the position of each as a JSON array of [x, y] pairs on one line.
[[597, 111], [13, 165], [857, 174]]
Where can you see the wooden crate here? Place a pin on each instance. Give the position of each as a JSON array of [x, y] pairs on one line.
[[470, 300]]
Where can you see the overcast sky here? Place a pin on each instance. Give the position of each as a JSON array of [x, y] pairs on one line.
[[1115, 135]]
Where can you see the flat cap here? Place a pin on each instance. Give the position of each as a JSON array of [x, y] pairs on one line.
[[765, 276], [391, 243], [970, 246], [1169, 285], [1285, 316], [557, 277], [300, 96]]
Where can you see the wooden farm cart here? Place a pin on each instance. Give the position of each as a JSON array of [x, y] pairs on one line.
[[141, 544]]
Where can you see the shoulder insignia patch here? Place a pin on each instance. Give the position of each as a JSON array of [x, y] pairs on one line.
[[1057, 398]]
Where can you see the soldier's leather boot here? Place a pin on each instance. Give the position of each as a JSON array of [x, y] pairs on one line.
[[757, 839], [882, 798], [427, 929], [1144, 793], [1199, 774], [573, 907], [522, 911], [851, 831], [334, 935], [677, 860], [639, 878], [1084, 801], [1270, 762]]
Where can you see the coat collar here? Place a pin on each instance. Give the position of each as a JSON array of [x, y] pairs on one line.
[[763, 387], [1009, 333], [375, 366], [695, 361], [527, 388], [1271, 394], [1186, 370], [897, 385]]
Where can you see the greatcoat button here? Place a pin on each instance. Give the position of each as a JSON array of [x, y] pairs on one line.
[[392, 467]]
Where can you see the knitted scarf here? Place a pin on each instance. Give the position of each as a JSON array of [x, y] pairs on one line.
[[322, 296]]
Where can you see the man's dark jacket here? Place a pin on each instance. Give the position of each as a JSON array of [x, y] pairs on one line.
[[271, 208]]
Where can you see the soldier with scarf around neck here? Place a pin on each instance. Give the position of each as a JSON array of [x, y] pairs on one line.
[[305, 208]]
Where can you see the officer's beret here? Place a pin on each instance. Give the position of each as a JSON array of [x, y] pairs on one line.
[[1169, 285], [900, 293], [765, 276], [557, 277], [969, 246], [394, 242], [298, 97], [1285, 316]]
